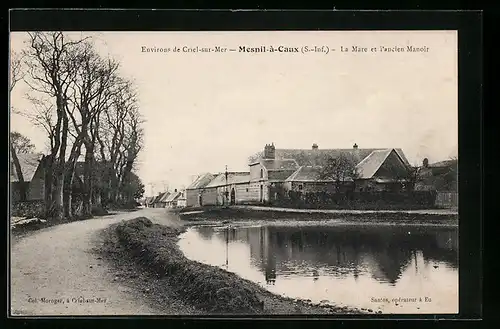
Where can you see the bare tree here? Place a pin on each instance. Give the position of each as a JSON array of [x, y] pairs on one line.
[[21, 143], [18, 143], [50, 69], [16, 72], [340, 170], [133, 145], [91, 94], [119, 138], [82, 103]]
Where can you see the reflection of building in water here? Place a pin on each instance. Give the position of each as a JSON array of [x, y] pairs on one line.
[[443, 248], [383, 252], [206, 232], [390, 264], [270, 261]]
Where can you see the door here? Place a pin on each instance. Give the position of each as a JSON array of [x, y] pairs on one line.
[[233, 196], [261, 193]]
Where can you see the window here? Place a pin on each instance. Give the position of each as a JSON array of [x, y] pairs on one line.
[[247, 189], [301, 187], [261, 173]]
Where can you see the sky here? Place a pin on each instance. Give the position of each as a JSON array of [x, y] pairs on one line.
[[204, 111]]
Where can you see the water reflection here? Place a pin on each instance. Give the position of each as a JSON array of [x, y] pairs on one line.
[[354, 255], [279, 250]]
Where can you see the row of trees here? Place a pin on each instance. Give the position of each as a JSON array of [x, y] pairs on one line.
[[89, 111]]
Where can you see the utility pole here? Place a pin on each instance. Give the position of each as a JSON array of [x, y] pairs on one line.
[[227, 192]]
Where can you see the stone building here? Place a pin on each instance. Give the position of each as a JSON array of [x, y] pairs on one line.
[[273, 170], [229, 188], [196, 190]]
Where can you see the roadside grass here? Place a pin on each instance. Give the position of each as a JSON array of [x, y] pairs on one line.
[[208, 288]]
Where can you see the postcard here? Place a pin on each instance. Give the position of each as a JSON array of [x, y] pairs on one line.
[[209, 173]]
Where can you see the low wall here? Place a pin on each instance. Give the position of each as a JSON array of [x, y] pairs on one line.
[[29, 209], [358, 200]]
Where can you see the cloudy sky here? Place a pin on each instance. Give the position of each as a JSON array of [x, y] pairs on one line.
[[205, 110]]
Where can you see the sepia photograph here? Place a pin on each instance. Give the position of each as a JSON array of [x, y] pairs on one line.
[[207, 173]]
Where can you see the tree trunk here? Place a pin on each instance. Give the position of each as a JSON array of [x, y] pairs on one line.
[[48, 165], [57, 195], [69, 178], [67, 197], [59, 173], [87, 181]]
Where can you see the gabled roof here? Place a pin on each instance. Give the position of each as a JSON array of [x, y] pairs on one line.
[[371, 164], [201, 181], [150, 199], [29, 163], [158, 197], [232, 178], [164, 197], [318, 157], [173, 196]]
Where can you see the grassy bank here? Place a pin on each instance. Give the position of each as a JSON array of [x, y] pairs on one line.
[[242, 213], [207, 288]]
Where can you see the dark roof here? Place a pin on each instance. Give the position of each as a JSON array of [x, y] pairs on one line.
[[158, 197], [366, 168], [306, 174], [164, 197], [173, 196], [368, 160], [279, 175], [309, 157], [29, 164], [232, 178], [279, 164]]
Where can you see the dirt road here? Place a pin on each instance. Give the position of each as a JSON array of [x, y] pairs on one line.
[[54, 271]]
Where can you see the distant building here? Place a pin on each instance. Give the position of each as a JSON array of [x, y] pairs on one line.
[[150, 201], [161, 200], [172, 200], [181, 200], [440, 176], [230, 189], [195, 191], [33, 176]]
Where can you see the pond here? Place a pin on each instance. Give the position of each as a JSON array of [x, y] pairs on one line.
[[392, 269]]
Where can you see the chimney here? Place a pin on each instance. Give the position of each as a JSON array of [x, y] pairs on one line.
[[355, 146], [175, 191], [425, 163], [269, 151], [315, 146]]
